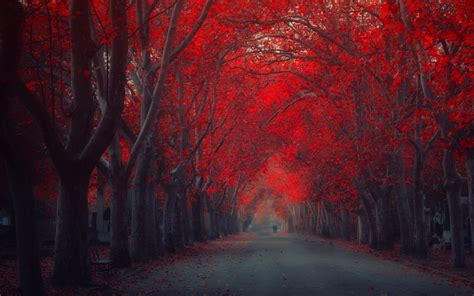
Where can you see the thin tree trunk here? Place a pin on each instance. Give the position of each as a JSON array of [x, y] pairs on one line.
[[198, 218], [100, 203], [345, 224], [186, 220], [453, 191], [470, 184], [178, 227], [159, 227], [373, 239], [362, 227], [421, 244], [150, 230], [169, 219], [384, 232]]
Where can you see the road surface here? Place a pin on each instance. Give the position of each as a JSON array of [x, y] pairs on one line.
[[282, 264]]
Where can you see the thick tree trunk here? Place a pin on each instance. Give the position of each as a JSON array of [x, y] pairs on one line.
[[138, 243], [28, 267], [71, 259], [17, 158], [118, 181], [119, 251], [453, 190]]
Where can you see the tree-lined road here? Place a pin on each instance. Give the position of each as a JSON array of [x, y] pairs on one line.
[[280, 264]]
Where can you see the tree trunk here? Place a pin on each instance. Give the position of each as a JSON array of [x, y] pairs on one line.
[[421, 245], [373, 239], [470, 184], [384, 231], [17, 162], [407, 244], [198, 229], [138, 245], [100, 204], [178, 227], [159, 228], [213, 224], [28, 266], [119, 251], [248, 221], [362, 227], [169, 219], [345, 224], [71, 260], [453, 190], [186, 220], [150, 230]]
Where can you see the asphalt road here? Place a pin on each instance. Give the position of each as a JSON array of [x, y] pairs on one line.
[[280, 264]]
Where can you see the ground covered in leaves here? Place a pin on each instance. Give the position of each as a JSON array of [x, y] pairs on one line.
[[280, 264], [438, 264], [119, 280]]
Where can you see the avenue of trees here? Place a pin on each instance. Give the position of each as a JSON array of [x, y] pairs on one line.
[[183, 115]]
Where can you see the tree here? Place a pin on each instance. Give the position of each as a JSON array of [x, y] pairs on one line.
[[16, 153]]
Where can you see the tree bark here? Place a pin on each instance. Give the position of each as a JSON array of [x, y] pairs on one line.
[[27, 247], [99, 197], [138, 242], [421, 244], [198, 221], [362, 227], [71, 259], [345, 224], [178, 227], [186, 220], [169, 219], [119, 251], [407, 245], [453, 190], [18, 170], [384, 228], [159, 227], [470, 184], [371, 219], [150, 231]]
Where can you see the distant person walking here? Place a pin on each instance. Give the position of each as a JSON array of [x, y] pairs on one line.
[[275, 228]]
